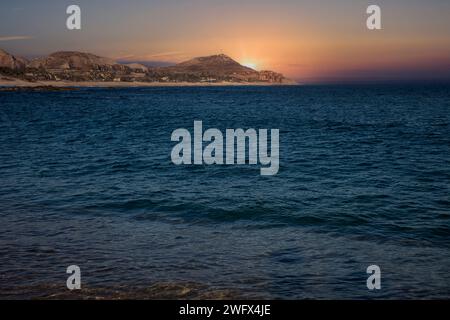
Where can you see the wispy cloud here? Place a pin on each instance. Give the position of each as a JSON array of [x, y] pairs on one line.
[[163, 56], [12, 38]]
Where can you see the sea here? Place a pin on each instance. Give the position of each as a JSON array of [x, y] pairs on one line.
[[86, 179]]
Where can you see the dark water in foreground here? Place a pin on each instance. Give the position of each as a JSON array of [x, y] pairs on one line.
[[86, 179]]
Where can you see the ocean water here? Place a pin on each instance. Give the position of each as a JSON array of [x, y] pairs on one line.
[[86, 178]]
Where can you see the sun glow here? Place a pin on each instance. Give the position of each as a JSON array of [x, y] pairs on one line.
[[250, 64]]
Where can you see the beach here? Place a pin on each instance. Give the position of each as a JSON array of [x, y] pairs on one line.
[[12, 82]]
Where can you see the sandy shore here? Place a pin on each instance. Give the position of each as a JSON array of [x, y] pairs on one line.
[[5, 82]]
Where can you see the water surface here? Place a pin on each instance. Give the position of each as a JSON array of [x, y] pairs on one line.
[[86, 178]]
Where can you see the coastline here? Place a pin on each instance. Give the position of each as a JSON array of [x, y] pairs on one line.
[[97, 84]]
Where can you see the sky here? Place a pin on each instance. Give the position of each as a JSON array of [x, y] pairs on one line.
[[311, 41]]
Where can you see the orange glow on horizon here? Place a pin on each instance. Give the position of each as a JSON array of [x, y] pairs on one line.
[[250, 64], [304, 40]]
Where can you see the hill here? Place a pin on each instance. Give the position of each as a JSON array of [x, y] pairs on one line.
[[11, 62], [71, 60]]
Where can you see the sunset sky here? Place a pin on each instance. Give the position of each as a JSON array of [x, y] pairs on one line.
[[310, 41]]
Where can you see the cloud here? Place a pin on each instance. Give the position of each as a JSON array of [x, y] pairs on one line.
[[163, 57], [165, 54], [11, 38]]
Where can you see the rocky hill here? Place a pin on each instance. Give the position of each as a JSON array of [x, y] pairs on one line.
[[217, 64], [70, 60], [80, 66], [11, 62], [210, 69]]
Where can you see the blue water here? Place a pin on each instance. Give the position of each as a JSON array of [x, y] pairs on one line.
[[86, 178]]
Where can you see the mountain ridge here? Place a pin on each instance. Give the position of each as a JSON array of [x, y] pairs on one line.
[[70, 60], [78, 66]]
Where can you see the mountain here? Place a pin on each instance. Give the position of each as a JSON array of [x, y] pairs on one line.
[[79, 66], [219, 68], [11, 62], [217, 64], [71, 60]]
